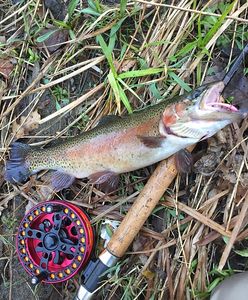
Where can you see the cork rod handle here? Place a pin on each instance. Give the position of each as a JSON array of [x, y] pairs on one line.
[[143, 207]]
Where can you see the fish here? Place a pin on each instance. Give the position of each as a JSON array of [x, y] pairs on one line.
[[120, 144]]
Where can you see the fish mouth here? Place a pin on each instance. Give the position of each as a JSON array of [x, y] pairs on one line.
[[222, 107], [213, 101]]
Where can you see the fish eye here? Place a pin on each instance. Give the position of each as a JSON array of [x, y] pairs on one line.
[[195, 94]]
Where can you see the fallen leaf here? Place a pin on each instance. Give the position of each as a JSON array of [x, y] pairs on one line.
[[148, 274], [207, 164], [17, 130], [44, 103], [52, 38], [26, 124], [43, 187], [32, 121], [126, 65], [6, 67]]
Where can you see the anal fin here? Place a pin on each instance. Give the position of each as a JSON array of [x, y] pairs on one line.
[[61, 180], [108, 181], [184, 161]]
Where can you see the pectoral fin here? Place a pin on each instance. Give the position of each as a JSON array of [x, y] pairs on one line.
[[184, 161], [152, 141], [61, 180]]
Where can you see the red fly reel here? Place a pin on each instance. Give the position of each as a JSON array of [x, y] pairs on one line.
[[54, 241]]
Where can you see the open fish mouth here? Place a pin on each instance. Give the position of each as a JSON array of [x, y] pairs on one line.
[[213, 100], [222, 107]]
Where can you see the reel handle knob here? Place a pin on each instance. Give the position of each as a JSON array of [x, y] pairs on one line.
[[36, 279]]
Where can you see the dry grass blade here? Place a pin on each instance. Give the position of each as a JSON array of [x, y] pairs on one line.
[[98, 70], [199, 217], [194, 11], [234, 234], [28, 90], [18, 11], [88, 64], [72, 105]]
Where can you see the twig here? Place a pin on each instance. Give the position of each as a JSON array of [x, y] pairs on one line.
[[90, 64], [72, 105], [199, 217], [234, 234], [199, 12], [16, 12], [113, 207], [23, 194]]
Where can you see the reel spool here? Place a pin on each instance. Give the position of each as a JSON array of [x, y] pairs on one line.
[[54, 241]]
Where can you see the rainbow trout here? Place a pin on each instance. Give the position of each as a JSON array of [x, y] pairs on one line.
[[122, 144]]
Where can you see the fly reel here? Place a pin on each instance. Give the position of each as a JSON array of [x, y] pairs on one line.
[[54, 241]]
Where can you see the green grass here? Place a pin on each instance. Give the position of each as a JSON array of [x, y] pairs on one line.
[[151, 52]]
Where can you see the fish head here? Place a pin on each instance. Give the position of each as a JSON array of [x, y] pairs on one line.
[[210, 105], [200, 114]]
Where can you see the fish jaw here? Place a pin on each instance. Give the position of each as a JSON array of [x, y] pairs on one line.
[[202, 116], [211, 105]]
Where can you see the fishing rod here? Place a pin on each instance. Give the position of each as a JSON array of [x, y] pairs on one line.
[[238, 61], [137, 215]]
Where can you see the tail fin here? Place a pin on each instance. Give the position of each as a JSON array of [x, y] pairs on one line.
[[16, 169]]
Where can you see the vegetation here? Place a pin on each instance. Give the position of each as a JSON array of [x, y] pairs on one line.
[[63, 67]]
